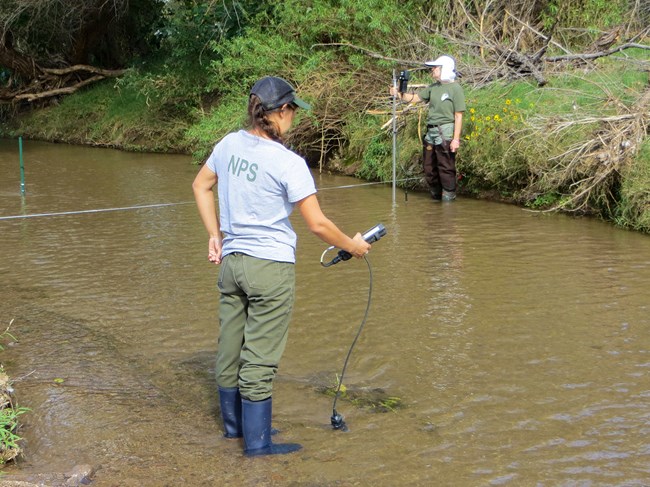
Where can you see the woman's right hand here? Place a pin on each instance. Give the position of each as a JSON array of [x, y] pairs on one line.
[[214, 250], [362, 247]]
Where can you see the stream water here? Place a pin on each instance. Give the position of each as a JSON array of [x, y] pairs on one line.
[[502, 347]]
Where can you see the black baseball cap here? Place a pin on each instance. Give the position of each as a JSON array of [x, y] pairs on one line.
[[274, 92]]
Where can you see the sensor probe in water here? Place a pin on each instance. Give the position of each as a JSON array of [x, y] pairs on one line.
[[372, 235]]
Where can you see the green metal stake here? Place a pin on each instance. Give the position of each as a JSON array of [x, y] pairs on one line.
[[22, 167]]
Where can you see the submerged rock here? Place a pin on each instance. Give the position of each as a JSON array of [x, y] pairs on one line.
[[79, 475]]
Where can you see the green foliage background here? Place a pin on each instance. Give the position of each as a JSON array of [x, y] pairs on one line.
[[341, 54]]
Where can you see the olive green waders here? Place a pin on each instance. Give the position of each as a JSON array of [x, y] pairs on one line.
[[255, 308], [254, 311]]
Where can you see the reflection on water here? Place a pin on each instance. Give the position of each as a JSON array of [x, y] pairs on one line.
[[518, 343]]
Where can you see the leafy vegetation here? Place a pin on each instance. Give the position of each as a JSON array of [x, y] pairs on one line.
[[543, 122], [376, 400], [9, 412]]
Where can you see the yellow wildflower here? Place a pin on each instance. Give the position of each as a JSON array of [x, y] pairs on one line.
[[508, 102]]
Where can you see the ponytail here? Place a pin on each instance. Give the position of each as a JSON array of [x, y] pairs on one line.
[[257, 119]]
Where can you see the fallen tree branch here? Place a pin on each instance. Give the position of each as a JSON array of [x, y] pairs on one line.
[[369, 53], [83, 67], [595, 55], [517, 61], [589, 169], [58, 81], [59, 91], [548, 39]]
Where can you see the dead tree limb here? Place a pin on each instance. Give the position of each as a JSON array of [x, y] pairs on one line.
[[83, 67], [53, 82], [521, 63], [595, 55], [588, 169], [370, 53], [59, 91], [547, 39]]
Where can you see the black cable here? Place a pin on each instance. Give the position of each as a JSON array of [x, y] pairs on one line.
[[337, 419]]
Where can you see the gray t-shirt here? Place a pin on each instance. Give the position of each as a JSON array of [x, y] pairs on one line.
[[259, 181]]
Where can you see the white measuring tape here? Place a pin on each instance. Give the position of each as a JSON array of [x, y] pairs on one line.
[[158, 205]]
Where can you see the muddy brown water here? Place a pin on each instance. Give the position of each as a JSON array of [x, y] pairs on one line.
[[516, 344]]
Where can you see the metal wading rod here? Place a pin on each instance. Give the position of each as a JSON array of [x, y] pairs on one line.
[[22, 166], [394, 130]]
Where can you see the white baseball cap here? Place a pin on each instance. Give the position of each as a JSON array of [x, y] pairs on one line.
[[448, 65]]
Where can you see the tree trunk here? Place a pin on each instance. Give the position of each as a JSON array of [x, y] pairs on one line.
[[91, 34]]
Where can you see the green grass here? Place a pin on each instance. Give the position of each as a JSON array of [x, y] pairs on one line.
[[634, 208], [9, 412], [9, 439], [225, 118], [112, 116]]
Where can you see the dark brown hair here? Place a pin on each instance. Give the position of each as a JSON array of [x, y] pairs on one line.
[[258, 119]]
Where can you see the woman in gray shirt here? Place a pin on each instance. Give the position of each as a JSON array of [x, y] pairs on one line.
[[259, 182]]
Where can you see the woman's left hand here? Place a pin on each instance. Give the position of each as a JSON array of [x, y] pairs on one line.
[[454, 145]]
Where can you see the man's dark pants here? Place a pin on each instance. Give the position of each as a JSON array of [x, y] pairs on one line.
[[439, 167]]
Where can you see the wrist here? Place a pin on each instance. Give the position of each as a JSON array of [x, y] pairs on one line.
[[455, 140]]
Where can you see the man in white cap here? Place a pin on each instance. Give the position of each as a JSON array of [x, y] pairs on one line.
[[444, 123]]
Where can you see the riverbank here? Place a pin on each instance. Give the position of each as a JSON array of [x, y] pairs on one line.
[[578, 145], [557, 98]]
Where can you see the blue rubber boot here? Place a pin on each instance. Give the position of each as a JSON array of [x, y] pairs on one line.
[[230, 401], [256, 420]]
